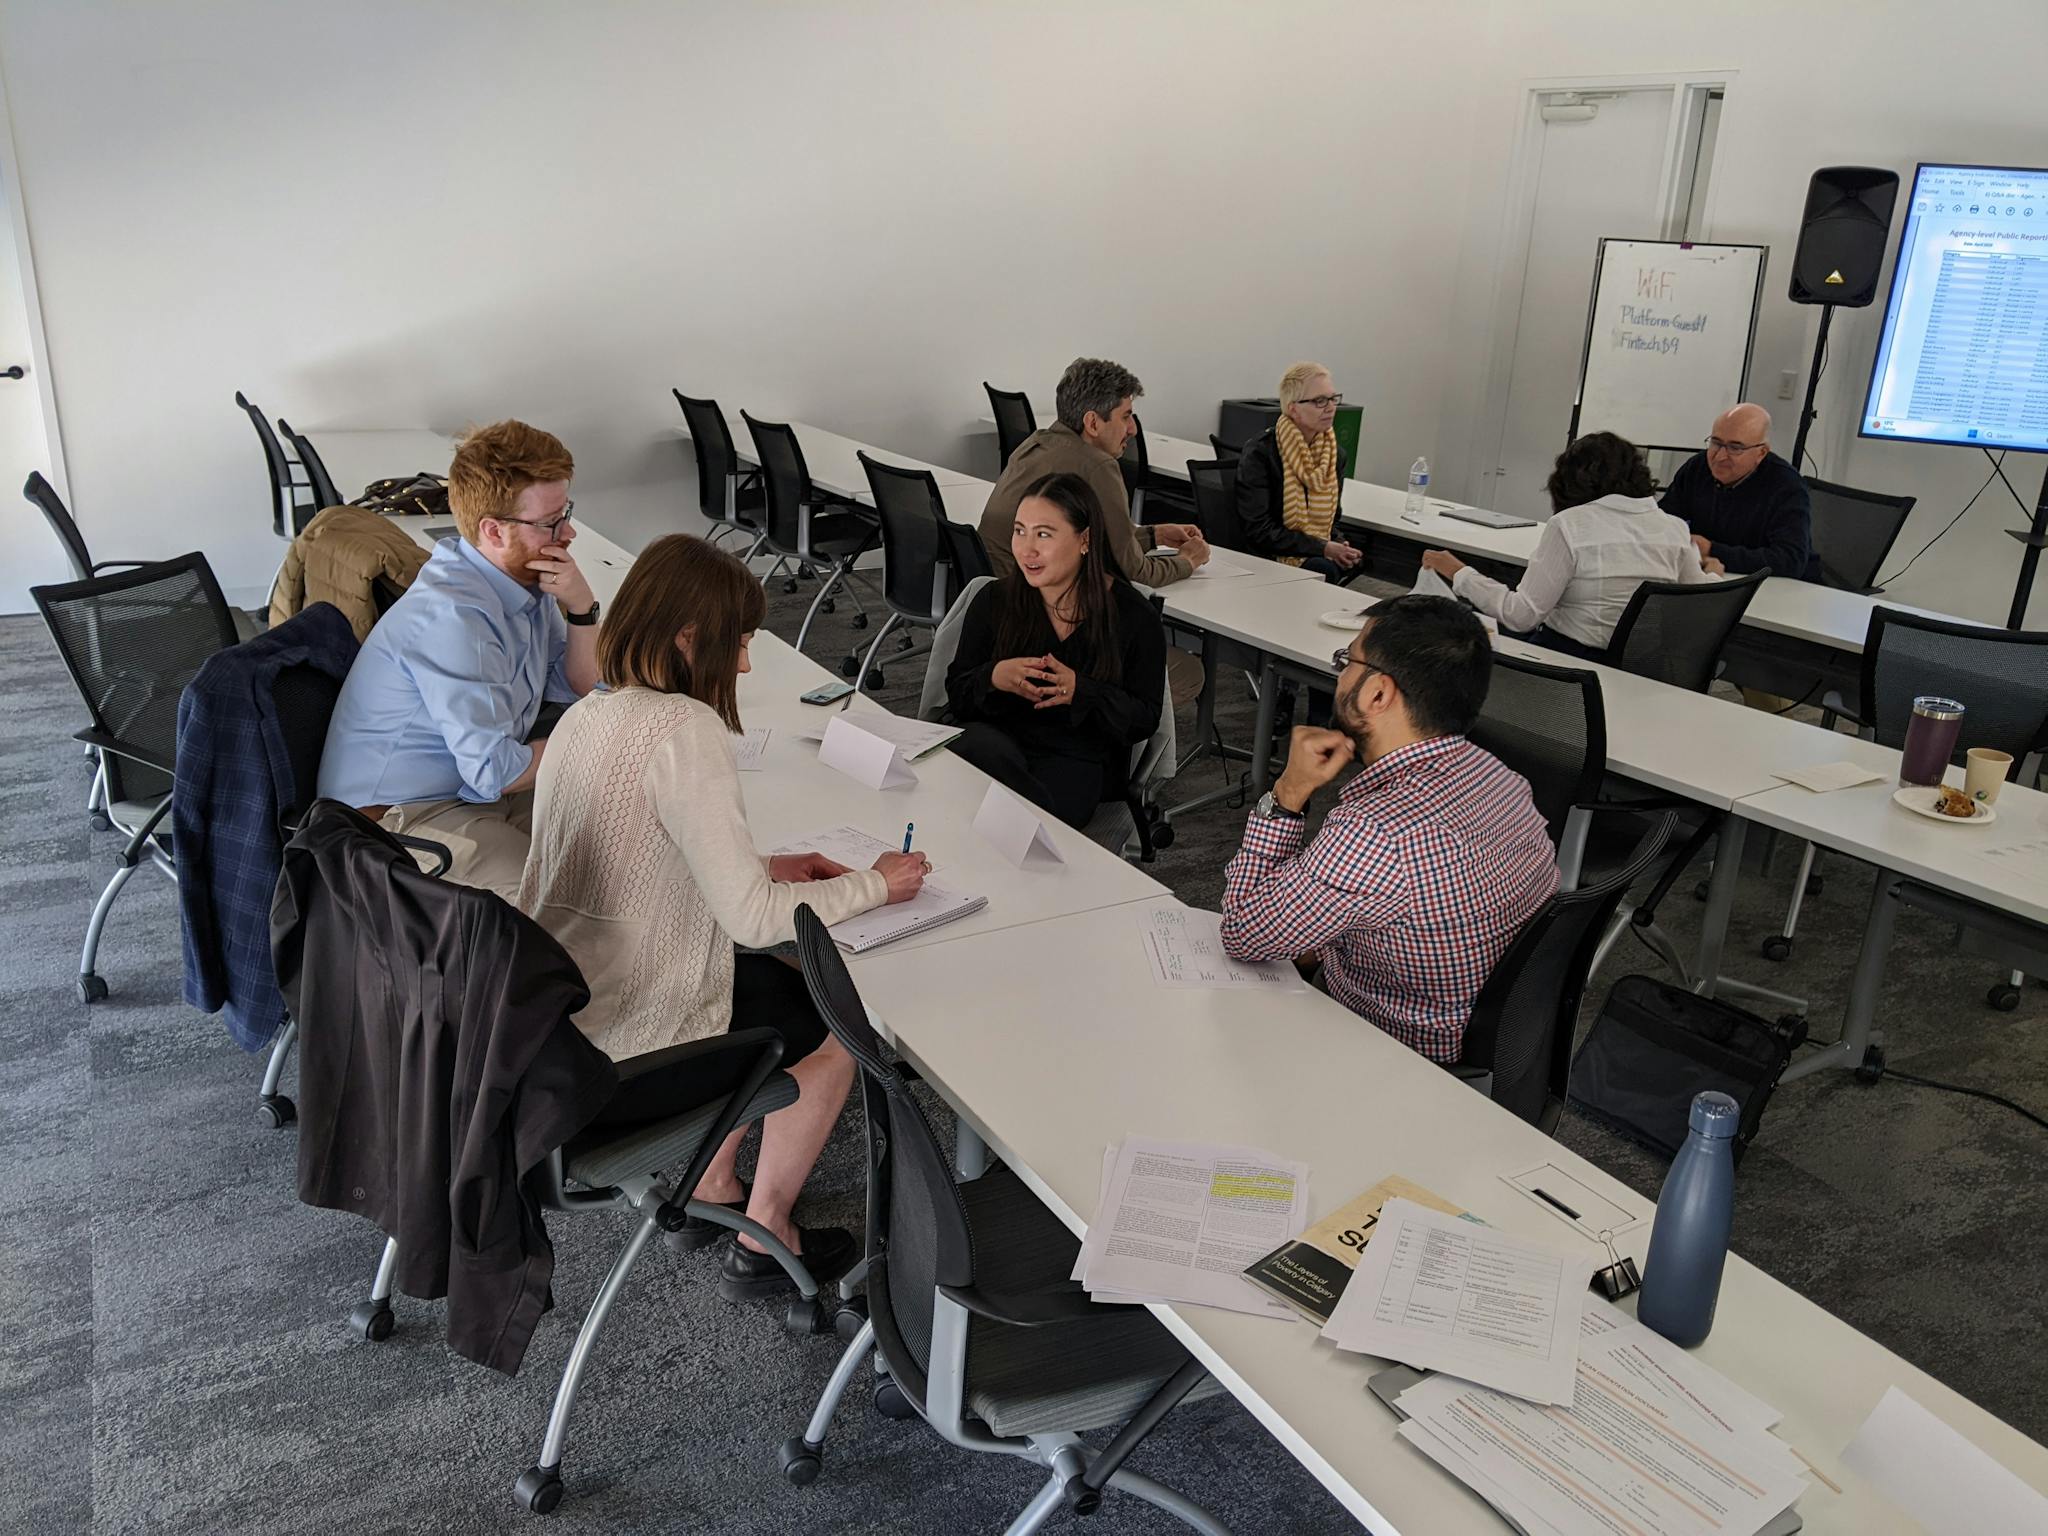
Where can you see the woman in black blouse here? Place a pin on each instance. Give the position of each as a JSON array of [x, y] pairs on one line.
[[1062, 664]]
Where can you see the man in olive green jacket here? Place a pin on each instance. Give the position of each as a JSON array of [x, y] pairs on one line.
[[1094, 405]]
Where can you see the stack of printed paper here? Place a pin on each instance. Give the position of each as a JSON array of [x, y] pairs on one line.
[[1179, 1221], [1653, 1441]]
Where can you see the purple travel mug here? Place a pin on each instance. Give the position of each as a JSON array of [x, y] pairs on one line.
[[1930, 739]]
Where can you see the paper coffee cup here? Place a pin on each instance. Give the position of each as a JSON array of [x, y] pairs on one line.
[[1984, 771]]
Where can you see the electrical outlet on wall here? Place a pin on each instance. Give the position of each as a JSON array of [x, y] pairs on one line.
[[1788, 381]]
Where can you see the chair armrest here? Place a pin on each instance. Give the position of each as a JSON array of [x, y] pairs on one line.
[[741, 1044], [1065, 1303], [120, 748], [440, 851], [117, 565]]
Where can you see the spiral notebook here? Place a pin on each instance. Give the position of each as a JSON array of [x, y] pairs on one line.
[[932, 907]]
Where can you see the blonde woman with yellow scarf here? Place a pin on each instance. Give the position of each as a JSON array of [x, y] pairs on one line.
[[1290, 480]]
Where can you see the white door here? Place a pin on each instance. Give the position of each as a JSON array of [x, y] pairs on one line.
[[35, 555], [1598, 174]]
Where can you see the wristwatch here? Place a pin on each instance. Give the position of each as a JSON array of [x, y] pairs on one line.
[[1273, 810], [587, 616]]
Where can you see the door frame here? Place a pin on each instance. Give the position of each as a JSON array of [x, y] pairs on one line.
[[1689, 91], [31, 300]]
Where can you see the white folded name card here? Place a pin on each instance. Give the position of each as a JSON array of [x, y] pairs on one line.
[[863, 756], [1015, 829]]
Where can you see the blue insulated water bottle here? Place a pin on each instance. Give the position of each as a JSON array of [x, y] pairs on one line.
[[1689, 1243]]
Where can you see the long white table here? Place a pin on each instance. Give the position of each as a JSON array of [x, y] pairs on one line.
[[1048, 1077]]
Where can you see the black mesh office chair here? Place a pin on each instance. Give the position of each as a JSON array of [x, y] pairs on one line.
[[1549, 724], [1674, 632], [604, 1168], [807, 526], [2000, 676], [1853, 531], [970, 1307], [325, 493], [1136, 468], [1226, 453], [1517, 1047], [728, 494], [289, 511], [1214, 484], [919, 582], [131, 641], [1015, 419]]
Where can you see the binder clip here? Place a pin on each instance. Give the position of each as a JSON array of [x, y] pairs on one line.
[[1618, 1277]]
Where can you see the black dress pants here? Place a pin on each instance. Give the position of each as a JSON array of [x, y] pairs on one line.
[[1067, 787]]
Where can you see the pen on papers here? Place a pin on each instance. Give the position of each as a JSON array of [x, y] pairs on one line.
[[1549, 1199], [908, 828]]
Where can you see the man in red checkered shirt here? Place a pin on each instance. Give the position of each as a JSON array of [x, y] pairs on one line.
[[1433, 856]]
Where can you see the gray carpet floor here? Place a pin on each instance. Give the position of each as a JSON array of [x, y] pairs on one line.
[[177, 1358]]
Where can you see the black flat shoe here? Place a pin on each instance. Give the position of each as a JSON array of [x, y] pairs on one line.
[[743, 1275], [696, 1232]]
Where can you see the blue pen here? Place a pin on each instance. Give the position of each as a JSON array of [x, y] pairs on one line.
[[908, 828]]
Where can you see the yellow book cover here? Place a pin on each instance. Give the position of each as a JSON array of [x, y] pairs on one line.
[[1310, 1273]]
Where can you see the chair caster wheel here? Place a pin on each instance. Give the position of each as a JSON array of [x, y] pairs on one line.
[[851, 1317], [800, 1461], [806, 573], [850, 667], [1872, 1067], [828, 605], [91, 987], [877, 678], [890, 1402], [275, 1112], [1162, 835], [1699, 892], [539, 1489], [2004, 997], [807, 1316], [904, 642], [100, 823], [859, 620], [789, 583], [1777, 947], [372, 1321]]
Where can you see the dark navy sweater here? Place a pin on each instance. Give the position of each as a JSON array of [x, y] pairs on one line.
[[1763, 522]]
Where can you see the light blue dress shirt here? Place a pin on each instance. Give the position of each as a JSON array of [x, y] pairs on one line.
[[438, 703]]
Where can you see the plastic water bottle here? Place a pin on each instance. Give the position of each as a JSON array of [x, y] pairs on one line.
[[1689, 1243], [1418, 491]]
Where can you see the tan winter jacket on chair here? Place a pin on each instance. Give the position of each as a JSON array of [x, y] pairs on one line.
[[339, 559]]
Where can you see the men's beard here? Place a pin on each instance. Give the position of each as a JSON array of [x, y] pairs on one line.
[[522, 570], [1344, 716]]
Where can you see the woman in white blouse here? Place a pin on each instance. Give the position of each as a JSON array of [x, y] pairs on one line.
[[1606, 538], [642, 867]]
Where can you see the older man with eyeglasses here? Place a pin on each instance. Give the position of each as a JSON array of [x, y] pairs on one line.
[[1746, 507], [430, 735]]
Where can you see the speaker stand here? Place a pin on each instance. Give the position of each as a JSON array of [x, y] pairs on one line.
[[2035, 539], [1807, 413]]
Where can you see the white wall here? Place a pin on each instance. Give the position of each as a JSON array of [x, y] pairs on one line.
[[851, 215], [398, 214]]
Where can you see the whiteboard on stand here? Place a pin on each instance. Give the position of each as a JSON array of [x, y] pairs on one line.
[[1668, 339]]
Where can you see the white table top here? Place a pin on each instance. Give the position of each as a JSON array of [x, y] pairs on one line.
[[1049, 1086], [355, 456], [832, 460], [794, 795], [1866, 824]]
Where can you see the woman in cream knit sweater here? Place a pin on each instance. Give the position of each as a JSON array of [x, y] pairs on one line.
[[643, 868]]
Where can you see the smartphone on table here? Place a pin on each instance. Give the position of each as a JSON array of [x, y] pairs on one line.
[[826, 693]]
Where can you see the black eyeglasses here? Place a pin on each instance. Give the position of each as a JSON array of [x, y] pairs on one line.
[[1322, 402], [1721, 445], [1343, 661], [568, 511]]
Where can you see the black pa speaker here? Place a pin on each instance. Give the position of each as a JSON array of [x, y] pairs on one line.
[[1842, 236]]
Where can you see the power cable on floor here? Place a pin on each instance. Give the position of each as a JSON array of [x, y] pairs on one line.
[[1927, 1082]]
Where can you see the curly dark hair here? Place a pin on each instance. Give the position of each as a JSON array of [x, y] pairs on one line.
[[1599, 464]]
